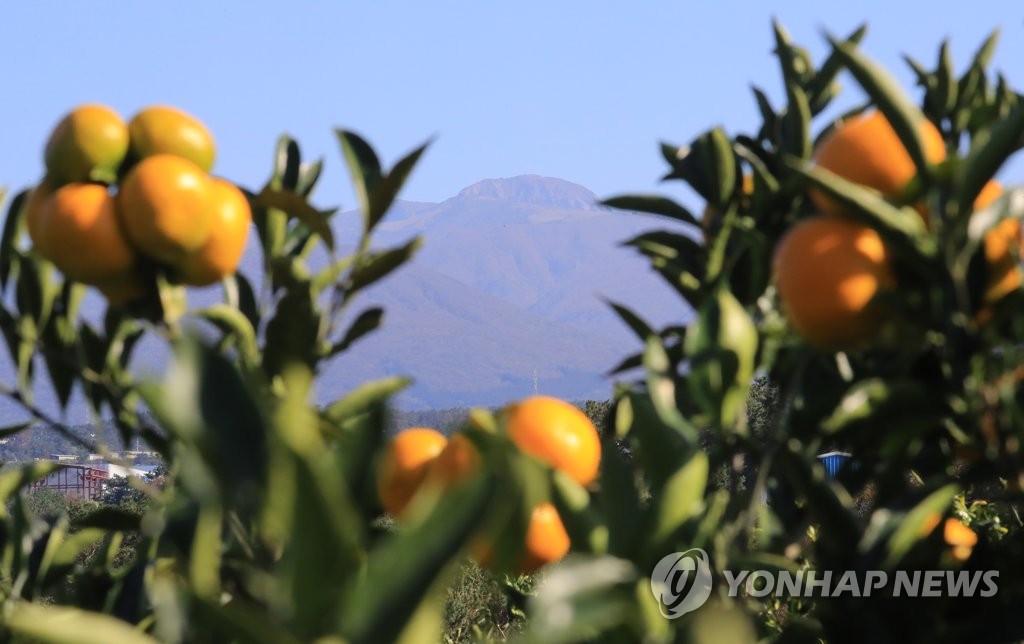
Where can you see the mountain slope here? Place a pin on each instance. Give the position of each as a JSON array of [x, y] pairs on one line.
[[540, 243], [466, 347]]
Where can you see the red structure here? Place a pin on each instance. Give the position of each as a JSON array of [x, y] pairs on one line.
[[75, 481]]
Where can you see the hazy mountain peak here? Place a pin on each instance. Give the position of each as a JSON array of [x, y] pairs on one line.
[[533, 189]]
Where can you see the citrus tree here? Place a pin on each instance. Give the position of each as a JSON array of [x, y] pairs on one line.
[[856, 284], [864, 273]]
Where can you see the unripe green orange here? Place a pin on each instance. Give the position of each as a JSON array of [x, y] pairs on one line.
[[161, 129], [88, 144]]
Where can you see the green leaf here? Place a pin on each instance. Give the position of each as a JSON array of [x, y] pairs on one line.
[[330, 275], [681, 499], [796, 123], [386, 192], [9, 238], [987, 155], [296, 206], [236, 621], [376, 266], [581, 599], [309, 174], [661, 387], [586, 528], [271, 226], [110, 518], [901, 227], [680, 261], [910, 530], [946, 85], [653, 204], [204, 401], [768, 115], [709, 166], [204, 561], [365, 396], [402, 569], [63, 551], [364, 166], [659, 448], [61, 625], [722, 346], [242, 296], [173, 300], [984, 54], [366, 322], [906, 119], [641, 328], [14, 429], [662, 244], [879, 402], [293, 333], [31, 289], [829, 70], [621, 502], [310, 509], [289, 158], [233, 323]]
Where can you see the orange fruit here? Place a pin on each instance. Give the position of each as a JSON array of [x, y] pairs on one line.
[[456, 462], [222, 251], [1004, 269], [82, 234], [161, 129], [960, 538], [827, 270], [34, 209], [545, 542], [88, 144], [865, 149], [557, 433], [546, 539], [166, 206], [405, 464]]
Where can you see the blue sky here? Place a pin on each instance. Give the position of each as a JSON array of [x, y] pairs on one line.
[[573, 89]]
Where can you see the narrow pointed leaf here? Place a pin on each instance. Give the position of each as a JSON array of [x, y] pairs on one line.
[[385, 193], [632, 320], [376, 266], [364, 166], [906, 119], [52, 624], [652, 204], [296, 205], [988, 154], [400, 571], [368, 321]]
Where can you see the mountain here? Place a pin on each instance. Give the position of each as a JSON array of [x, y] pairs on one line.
[[466, 347], [540, 243], [512, 280]]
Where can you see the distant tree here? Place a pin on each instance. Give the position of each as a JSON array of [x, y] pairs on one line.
[[46, 503]]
